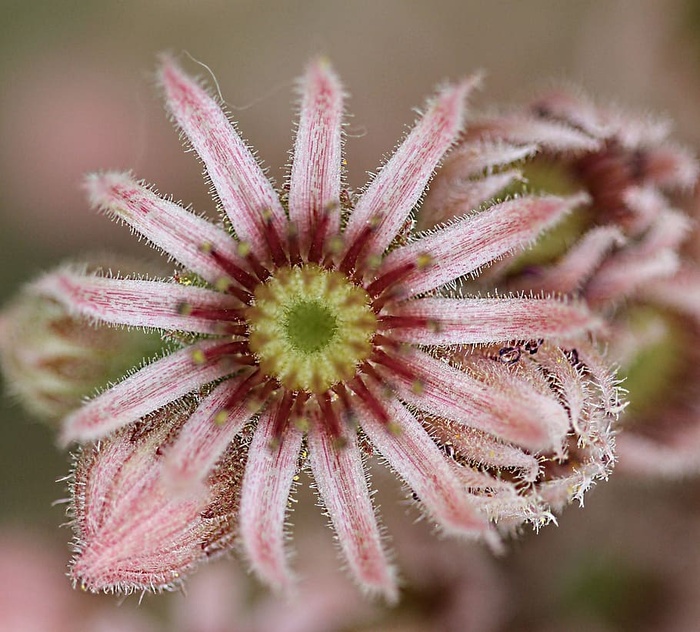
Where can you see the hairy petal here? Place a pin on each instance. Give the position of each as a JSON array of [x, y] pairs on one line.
[[183, 235], [411, 452], [501, 404], [267, 485], [394, 192], [578, 265], [245, 192], [135, 303], [341, 482], [468, 244], [152, 387], [526, 130], [314, 186], [486, 320], [132, 533], [204, 438]]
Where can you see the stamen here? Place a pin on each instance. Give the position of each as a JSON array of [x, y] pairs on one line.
[[331, 418], [349, 261], [258, 268], [210, 313], [394, 364], [293, 242], [404, 322], [203, 356], [319, 236], [274, 243], [360, 389], [243, 390], [232, 269], [282, 417], [390, 278], [224, 284]]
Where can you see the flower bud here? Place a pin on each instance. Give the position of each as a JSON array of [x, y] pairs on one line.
[[52, 359]]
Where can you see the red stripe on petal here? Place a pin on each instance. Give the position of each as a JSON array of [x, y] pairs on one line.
[[342, 486], [245, 193], [267, 484], [414, 456]]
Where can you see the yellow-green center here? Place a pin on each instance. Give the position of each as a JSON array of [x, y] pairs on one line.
[[310, 327]]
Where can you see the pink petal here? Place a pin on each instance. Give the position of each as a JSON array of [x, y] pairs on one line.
[[680, 292], [578, 265], [342, 485], [394, 192], [267, 485], [463, 247], [574, 109], [245, 193], [501, 405], [314, 186], [203, 438], [136, 303], [152, 387], [482, 320], [456, 200], [526, 130], [417, 460], [622, 276], [482, 449], [133, 534], [181, 234]]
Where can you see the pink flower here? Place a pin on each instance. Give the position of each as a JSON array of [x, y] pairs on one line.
[[316, 326]]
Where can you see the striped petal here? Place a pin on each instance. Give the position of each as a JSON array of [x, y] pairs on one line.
[[446, 321], [184, 236], [137, 303], [342, 485], [465, 246], [243, 189], [394, 192], [267, 484], [418, 461], [314, 186], [205, 437], [502, 405], [154, 386]]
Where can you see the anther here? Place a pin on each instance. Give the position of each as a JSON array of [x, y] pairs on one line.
[[329, 416], [319, 235], [351, 257], [368, 399], [274, 243], [231, 268]]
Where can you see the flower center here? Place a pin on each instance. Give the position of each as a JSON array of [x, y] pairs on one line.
[[310, 327]]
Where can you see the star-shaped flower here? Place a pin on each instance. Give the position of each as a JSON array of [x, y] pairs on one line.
[[316, 329]]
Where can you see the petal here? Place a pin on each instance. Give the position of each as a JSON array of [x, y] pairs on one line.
[[204, 437], [501, 404], [244, 191], [267, 485], [447, 321], [577, 266], [181, 234], [621, 276], [417, 460], [466, 245], [681, 292], [526, 130], [152, 387], [342, 485], [314, 186], [137, 303], [394, 192]]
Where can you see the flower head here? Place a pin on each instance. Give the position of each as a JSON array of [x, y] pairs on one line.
[[316, 325]]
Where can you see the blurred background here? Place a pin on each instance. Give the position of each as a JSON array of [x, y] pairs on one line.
[[77, 94]]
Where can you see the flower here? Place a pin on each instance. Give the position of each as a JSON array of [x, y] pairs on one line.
[[53, 360], [629, 253], [317, 328]]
